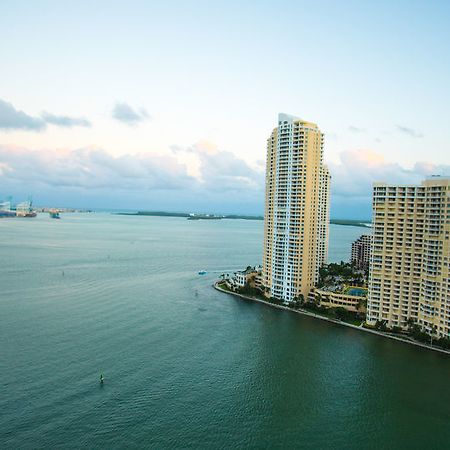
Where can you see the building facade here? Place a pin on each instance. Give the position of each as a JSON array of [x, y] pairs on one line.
[[361, 251], [296, 209], [409, 269], [242, 278], [351, 298]]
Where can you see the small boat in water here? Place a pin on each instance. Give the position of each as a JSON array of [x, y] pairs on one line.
[[54, 214], [101, 378], [202, 272]]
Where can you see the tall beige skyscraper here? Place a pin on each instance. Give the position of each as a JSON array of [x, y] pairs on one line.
[[296, 210], [409, 268]]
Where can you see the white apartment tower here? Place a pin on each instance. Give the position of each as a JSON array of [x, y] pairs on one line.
[[409, 267], [296, 209]]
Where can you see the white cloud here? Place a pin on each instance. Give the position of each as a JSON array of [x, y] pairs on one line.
[[409, 131], [357, 170], [223, 179], [91, 169], [126, 114], [65, 121], [14, 119], [222, 170], [354, 129]]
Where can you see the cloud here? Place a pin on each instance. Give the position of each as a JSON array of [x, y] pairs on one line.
[[14, 119], [409, 131], [126, 114], [200, 177], [65, 121], [332, 136], [427, 169], [4, 168], [357, 170], [223, 183], [88, 168], [354, 129], [221, 170]]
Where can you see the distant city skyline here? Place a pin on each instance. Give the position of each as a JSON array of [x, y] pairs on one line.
[[127, 105]]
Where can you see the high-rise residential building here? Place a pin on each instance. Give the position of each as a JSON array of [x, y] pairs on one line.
[[361, 251], [409, 269], [296, 209]]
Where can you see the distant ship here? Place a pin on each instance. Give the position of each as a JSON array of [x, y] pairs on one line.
[[54, 214], [202, 272], [5, 210], [25, 209]]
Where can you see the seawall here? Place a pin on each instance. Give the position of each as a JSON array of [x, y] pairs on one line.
[[338, 322]]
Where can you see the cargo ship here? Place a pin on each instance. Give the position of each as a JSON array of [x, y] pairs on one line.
[[25, 209], [5, 210]]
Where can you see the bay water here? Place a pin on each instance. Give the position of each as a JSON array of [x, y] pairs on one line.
[[186, 366]]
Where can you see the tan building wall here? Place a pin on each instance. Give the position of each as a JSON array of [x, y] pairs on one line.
[[269, 210], [336, 299], [296, 209], [409, 268]]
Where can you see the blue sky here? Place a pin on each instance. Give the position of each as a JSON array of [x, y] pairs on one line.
[[167, 105]]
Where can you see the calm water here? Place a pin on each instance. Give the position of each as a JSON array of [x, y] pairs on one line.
[[186, 366]]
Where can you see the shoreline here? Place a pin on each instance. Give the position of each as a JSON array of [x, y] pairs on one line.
[[335, 321], [214, 216]]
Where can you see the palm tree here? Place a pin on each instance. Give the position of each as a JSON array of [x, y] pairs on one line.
[[433, 332], [318, 299], [410, 323]]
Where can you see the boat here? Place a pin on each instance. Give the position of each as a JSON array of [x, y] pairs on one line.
[[101, 378], [54, 214], [5, 210], [25, 209], [7, 213], [202, 272]]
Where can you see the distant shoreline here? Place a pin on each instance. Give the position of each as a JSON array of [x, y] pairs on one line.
[[191, 216], [328, 319], [195, 216], [351, 223]]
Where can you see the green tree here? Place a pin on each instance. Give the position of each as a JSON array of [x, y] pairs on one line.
[[433, 333]]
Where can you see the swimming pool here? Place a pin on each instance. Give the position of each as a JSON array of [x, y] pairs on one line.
[[360, 292]]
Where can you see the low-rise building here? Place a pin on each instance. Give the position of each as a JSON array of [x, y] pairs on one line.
[[351, 298], [250, 275], [258, 280]]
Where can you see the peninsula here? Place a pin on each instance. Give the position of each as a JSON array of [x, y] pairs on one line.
[[203, 216]]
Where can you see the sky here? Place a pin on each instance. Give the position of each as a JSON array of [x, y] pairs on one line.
[[168, 105]]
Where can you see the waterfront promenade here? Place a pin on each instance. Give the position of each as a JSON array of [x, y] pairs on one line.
[[336, 321]]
